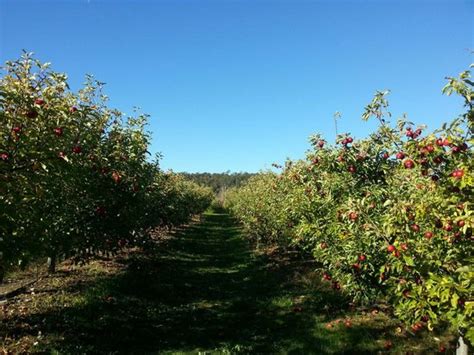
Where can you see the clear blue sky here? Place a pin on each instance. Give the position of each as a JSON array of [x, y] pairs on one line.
[[240, 84]]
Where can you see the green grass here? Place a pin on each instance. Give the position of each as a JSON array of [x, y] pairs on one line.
[[205, 292]]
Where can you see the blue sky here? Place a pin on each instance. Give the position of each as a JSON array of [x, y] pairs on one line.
[[238, 85]]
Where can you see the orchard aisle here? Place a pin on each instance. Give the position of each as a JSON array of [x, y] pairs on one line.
[[203, 291]]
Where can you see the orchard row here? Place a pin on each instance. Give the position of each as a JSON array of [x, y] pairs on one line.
[[75, 175], [389, 217]]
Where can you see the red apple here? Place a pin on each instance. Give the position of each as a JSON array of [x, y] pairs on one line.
[[391, 248], [352, 169], [400, 155], [32, 114], [77, 149], [428, 235], [448, 227], [58, 131], [458, 174], [116, 177], [409, 164], [39, 102]]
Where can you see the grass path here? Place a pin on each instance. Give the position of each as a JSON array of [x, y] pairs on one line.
[[205, 291]]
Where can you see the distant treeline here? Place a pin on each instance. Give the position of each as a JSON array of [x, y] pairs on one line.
[[219, 181]]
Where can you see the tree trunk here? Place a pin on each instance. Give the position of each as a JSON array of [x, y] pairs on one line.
[[462, 348], [51, 263], [2, 273]]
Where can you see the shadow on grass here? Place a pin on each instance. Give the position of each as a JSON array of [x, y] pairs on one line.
[[205, 291]]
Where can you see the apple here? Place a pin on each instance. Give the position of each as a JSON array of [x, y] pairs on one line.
[[409, 164], [58, 131], [16, 129], [448, 227], [430, 148], [39, 102], [73, 109], [417, 327], [4, 156], [349, 140], [32, 114], [458, 173], [391, 248], [321, 144], [400, 155], [404, 246], [116, 177], [461, 223], [385, 155], [362, 257], [352, 169], [415, 227], [353, 216], [428, 235], [77, 149]]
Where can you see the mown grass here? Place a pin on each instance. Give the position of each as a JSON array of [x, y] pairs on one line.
[[204, 292]]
